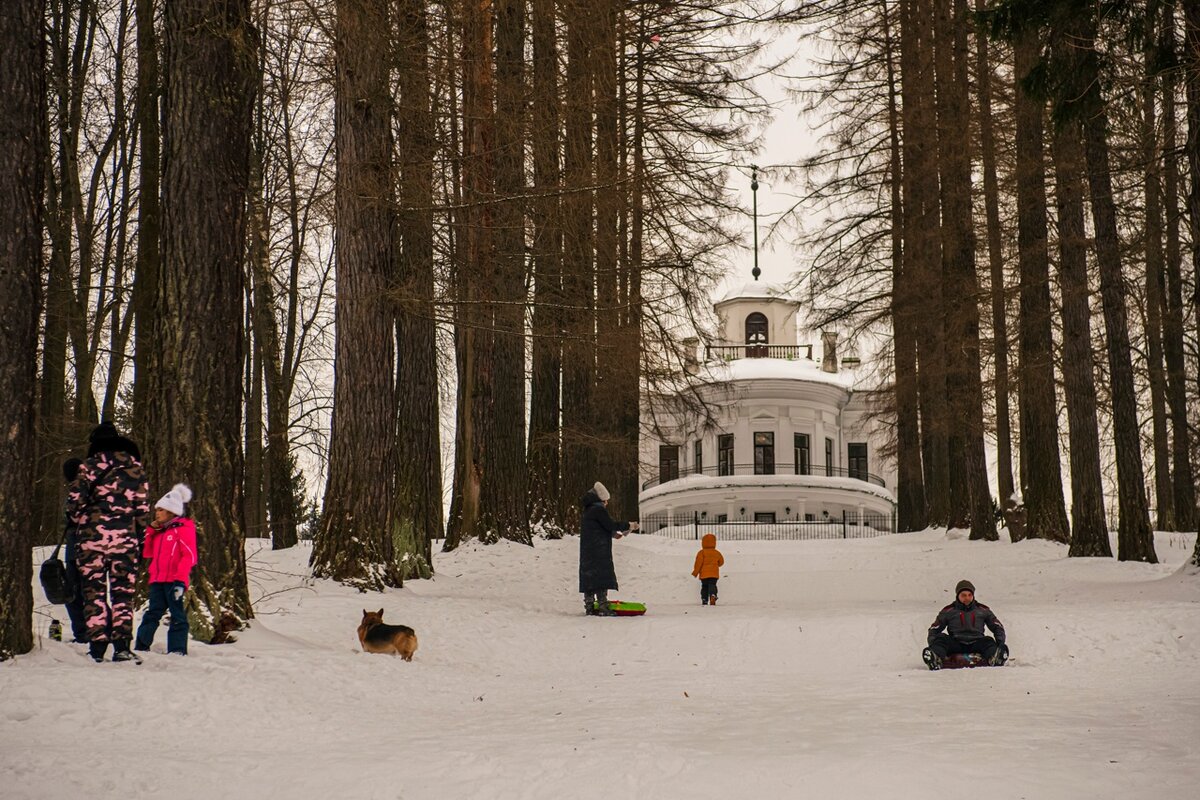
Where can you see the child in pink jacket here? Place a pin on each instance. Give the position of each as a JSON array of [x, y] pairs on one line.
[[171, 547]]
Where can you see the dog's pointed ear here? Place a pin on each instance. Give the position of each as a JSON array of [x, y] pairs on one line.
[[381, 612], [365, 612]]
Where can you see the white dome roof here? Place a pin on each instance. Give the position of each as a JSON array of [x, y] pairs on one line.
[[757, 290]]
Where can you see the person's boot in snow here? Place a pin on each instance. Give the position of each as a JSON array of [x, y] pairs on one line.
[[121, 652], [96, 650], [932, 659], [999, 657], [602, 607]]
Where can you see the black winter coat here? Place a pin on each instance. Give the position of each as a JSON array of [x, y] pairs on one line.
[[966, 623], [596, 573]]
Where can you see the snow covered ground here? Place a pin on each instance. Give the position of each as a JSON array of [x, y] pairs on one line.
[[805, 682]]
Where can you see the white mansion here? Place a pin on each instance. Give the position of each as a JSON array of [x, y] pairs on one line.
[[784, 437]]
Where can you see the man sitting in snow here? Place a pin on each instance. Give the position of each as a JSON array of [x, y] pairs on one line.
[[963, 622]]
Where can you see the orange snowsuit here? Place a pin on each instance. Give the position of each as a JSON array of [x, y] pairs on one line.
[[709, 560]]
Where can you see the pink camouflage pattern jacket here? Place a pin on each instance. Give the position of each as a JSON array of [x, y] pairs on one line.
[[107, 503]]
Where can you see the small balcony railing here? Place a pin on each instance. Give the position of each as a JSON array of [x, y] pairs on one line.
[[751, 469], [733, 352]]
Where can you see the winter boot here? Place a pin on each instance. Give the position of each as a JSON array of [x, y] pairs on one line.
[[96, 650], [932, 659], [999, 657], [121, 652]]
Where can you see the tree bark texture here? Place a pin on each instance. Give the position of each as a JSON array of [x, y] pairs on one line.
[[972, 500], [544, 453], [22, 164], [991, 196], [1134, 539], [506, 480], [579, 344], [1191, 73], [927, 276], [355, 542], [1089, 527], [1183, 475], [148, 265], [910, 481], [197, 411], [418, 440], [1042, 472], [1155, 288]]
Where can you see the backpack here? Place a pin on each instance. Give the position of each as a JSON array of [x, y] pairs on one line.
[[59, 588]]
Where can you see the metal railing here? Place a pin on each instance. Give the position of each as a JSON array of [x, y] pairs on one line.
[[732, 352], [750, 469], [848, 526]]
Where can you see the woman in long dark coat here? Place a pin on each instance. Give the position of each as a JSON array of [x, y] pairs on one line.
[[596, 533]]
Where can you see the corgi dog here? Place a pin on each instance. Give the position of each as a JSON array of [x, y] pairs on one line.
[[377, 636]]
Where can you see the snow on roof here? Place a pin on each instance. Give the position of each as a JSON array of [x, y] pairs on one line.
[[800, 369], [757, 290]]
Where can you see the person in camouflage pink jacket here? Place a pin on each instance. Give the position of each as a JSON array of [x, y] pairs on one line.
[[107, 504]]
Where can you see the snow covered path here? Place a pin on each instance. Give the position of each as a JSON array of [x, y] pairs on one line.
[[805, 682]]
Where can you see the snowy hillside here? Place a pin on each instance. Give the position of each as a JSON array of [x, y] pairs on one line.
[[806, 681]]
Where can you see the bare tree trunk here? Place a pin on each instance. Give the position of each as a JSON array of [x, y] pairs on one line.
[[254, 482], [609, 358], [970, 493], [545, 383], [419, 463], [210, 65], [1191, 60], [1042, 474], [1184, 480], [276, 466], [477, 277], [1134, 539], [1155, 288], [22, 163], [926, 259], [991, 196], [505, 480], [149, 231], [1089, 527], [355, 543], [579, 357], [626, 390], [910, 486]]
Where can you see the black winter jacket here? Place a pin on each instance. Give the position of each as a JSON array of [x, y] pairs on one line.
[[596, 572], [965, 623]]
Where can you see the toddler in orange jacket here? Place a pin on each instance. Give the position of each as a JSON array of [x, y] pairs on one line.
[[708, 569]]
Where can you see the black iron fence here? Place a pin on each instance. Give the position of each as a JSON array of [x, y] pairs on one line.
[[693, 526], [718, 471]]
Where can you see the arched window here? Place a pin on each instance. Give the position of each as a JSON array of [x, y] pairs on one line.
[[756, 329], [756, 336]]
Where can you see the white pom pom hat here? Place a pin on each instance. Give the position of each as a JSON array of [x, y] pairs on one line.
[[174, 500]]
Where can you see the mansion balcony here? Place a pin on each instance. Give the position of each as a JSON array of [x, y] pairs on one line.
[[734, 352], [758, 471]]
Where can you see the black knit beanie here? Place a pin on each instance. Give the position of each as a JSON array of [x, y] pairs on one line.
[[964, 585], [105, 439]]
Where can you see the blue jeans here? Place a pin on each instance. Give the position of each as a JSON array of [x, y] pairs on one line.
[[165, 597]]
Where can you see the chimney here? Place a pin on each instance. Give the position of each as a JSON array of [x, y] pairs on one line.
[[829, 362]]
